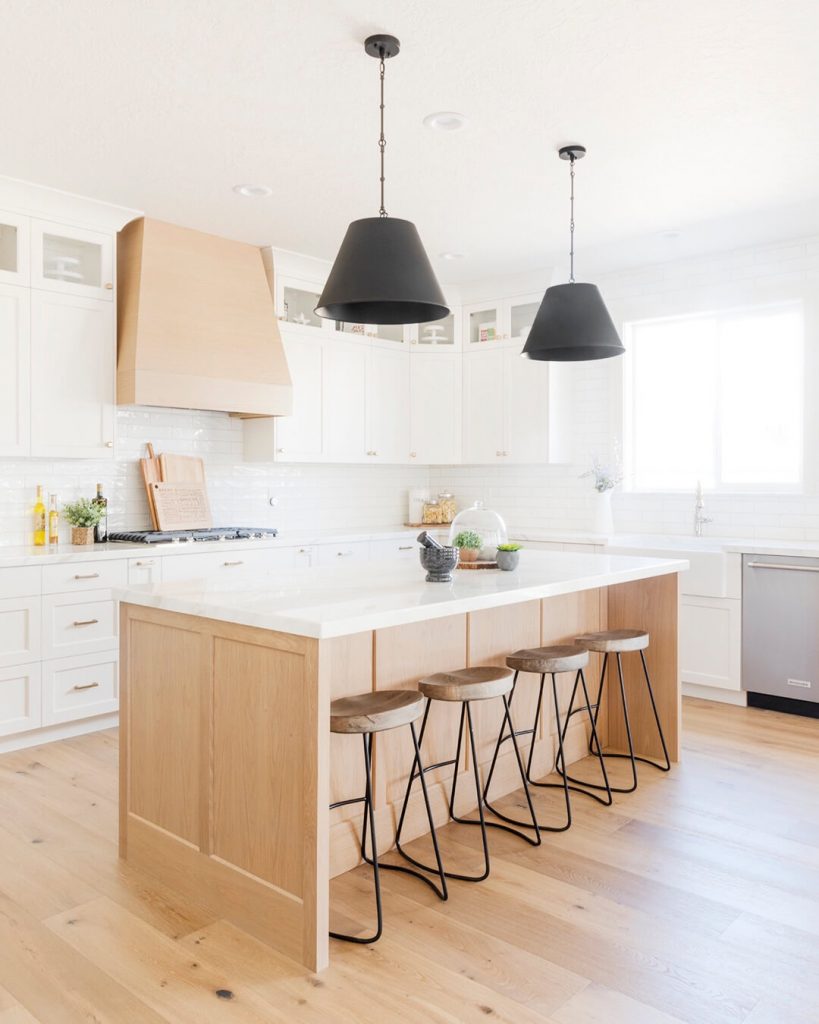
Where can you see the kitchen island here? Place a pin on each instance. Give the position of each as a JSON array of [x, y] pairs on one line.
[[227, 764]]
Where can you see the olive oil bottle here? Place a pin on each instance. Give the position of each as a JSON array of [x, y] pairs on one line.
[[39, 512], [101, 529], [53, 520]]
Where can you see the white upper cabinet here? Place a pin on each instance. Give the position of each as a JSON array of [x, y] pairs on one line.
[[72, 376], [15, 357], [344, 400], [435, 408], [484, 421], [14, 248], [300, 437], [388, 405], [506, 408], [526, 408], [72, 261]]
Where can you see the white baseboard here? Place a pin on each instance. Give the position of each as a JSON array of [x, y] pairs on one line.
[[64, 731], [737, 697]]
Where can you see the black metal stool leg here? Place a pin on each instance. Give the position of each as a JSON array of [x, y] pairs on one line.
[[662, 767], [533, 822], [369, 816], [569, 782]]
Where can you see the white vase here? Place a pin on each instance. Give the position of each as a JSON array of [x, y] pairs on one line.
[[603, 520]]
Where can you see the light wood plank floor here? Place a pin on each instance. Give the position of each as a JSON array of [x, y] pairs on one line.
[[694, 900]]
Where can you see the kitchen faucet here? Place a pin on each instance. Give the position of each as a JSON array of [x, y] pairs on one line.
[[700, 518]]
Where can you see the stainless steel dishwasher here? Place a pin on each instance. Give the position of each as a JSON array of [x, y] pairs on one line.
[[780, 633]]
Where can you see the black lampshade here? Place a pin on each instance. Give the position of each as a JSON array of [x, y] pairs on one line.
[[572, 325], [382, 275]]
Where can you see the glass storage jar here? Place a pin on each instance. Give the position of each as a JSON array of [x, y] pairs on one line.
[[489, 526], [448, 507], [432, 514]]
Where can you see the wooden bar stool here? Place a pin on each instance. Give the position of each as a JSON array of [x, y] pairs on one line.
[[619, 642], [464, 686], [367, 714], [545, 661]]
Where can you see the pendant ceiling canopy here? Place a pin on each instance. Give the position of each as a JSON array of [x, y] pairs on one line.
[[572, 324], [382, 274]]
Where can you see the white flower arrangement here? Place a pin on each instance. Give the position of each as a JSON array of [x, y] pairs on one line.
[[607, 475]]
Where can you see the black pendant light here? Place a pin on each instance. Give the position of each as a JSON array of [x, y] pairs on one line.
[[572, 323], [382, 274]]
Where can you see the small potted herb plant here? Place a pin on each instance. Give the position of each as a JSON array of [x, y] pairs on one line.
[[83, 515], [469, 543], [508, 556]]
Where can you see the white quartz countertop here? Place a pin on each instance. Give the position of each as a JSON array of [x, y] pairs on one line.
[[338, 601]]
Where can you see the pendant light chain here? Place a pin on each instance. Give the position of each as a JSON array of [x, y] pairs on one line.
[[571, 220], [382, 142]]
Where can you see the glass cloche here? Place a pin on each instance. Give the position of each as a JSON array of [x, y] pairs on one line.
[[487, 524]]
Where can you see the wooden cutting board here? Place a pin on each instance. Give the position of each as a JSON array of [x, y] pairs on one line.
[[182, 506], [182, 469], [151, 474]]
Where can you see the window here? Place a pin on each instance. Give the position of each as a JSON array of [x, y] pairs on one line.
[[716, 398]]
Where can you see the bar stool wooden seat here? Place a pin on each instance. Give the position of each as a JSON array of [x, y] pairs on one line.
[[485, 682], [366, 714], [545, 661], [619, 642]]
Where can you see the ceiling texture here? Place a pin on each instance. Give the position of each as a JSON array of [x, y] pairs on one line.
[[699, 119]]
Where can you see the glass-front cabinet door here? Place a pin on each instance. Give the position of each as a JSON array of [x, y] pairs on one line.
[[438, 335], [72, 260], [14, 241], [483, 324], [393, 333], [522, 313]]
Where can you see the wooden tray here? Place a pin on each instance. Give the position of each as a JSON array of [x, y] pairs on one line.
[[476, 565]]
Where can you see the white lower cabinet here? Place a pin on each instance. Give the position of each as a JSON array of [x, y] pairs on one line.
[[406, 550], [336, 554], [19, 630], [710, 639], [73, 358], [20, 698], [144, 570], [79, 624], [80, 687]]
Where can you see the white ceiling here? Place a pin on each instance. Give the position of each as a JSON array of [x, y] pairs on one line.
[[699, 116]]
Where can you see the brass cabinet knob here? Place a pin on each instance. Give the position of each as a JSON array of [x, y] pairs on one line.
[[109, 286]]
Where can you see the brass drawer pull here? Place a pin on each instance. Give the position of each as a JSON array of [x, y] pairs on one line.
[[85, 686], [229, 564], [405, 547], [87, 576], [144, 565], [86, 622]]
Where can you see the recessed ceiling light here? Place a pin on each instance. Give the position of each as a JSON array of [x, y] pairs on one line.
[[253, 191], [445, 121], [451, 255]]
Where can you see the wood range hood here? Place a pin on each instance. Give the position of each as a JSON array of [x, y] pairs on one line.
[[197, 326]]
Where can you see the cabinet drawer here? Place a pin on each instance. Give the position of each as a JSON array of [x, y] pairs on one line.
[[20, 699], [405, 550], [336, 554], [19, 630], [75, 577], [78, 624], [145, 570], [80, 687], [20, 581]]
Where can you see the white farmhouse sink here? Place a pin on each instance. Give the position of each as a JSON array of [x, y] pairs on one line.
[[711, 567]]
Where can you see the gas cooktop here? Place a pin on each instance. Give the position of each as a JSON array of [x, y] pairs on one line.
[[215, 533]]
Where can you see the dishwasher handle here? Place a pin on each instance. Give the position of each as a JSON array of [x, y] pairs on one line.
[[782, 565]]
